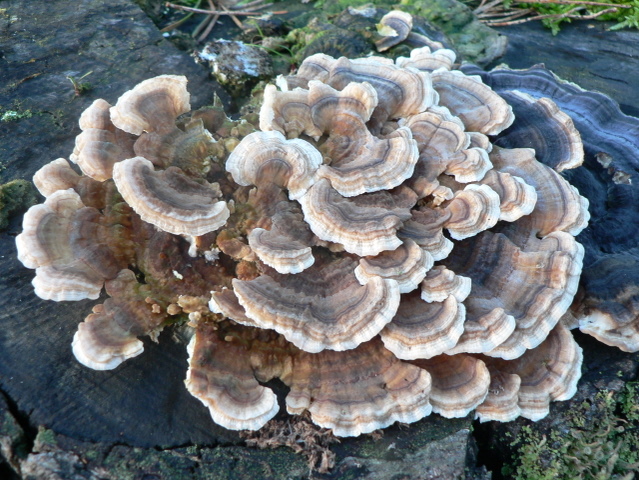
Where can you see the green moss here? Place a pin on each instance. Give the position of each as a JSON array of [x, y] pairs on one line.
[[472, 39], [449, 15], [136, 463], [13, 435], [598, 441], [45, 438], [279, 463], [396, 446], [630, 402], [15, 115], [625, 16], [332, 7], [15, 196]]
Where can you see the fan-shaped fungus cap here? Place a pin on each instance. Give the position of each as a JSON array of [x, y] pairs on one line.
[[225, 302], [407, 264], [54, 176], [548, 372], [551, 267], [315, 67], [440, 283], [63, 240], [460, 383], [607, 329], [322, 307], [189, 149], [221, 376], [438, 135], [287, 112], [394, 28], [467, 97], [556, 141], [270, 157], [152, 105], [101, 144], [375, 165], [357, 391], [469, 165], [96, 151], [502, 401], [108, 336], [559, 205], [355, 102], [169, 199], [486, 327], [97, 115], [423, 330], [426, 61], [425, 228], [282, 240], [473, 210], [364, 225], [280, 251], [517, 197]]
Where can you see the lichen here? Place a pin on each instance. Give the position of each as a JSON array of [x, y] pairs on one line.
[[236, 65]]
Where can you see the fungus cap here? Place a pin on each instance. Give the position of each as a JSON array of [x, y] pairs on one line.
[[169, 199]]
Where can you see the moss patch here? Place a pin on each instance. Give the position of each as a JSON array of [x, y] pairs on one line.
[[474, 41], [15, 115], [15, 197], [599, 440]]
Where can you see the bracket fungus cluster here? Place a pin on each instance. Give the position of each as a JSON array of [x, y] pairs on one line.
[[608, 305], [368, 244]]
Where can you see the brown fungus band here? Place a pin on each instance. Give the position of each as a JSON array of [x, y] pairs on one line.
[[368, 245]]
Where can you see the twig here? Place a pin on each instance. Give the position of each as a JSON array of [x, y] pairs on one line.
[[211, 23], [576, 2], [484, 7], [176, 24], [233, 17], [258, 7], [216, 12], [568, 14], [509, 15], [247, 6], [200, 26]]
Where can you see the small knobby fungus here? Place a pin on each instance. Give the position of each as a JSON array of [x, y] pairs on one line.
[[369, 246]]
